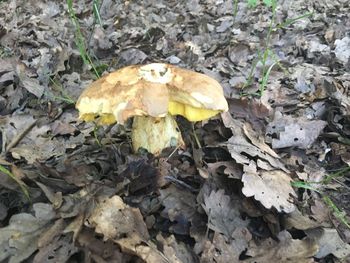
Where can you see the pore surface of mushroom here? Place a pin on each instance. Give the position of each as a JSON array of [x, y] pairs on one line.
[[152, 94]]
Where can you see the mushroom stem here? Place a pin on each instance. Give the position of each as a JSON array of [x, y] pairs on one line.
[[155, 134]]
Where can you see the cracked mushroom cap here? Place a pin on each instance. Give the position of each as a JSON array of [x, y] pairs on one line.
[[154, 90]]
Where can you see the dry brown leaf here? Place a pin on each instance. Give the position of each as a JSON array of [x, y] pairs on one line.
[[13, 126], [298, 132], [124, 225], [60, 250], [229, 168], [341, 50], [321, 212], [31, 84], [223, 213], [75, 204], [180, 207], [54, 197], [239, 145], [25, 139], [297, 220], [20, 238], [75, 226], [286, 249], [55, 230], [106, 251], [147, 251], [271, 188], [329, 242], [61, 128], [258, 140], [110, 215], [252, 110], [222, 251], [175, 251]]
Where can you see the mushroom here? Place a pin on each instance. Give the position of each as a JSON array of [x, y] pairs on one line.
[[152, 94]]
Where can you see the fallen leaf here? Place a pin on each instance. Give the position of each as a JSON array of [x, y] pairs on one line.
[[60, 250], [24, 138], [321, 212], [20, 238], [175, 251], [133, 56], [61, 128], [179, 207], [253, 111], [31, 84], [13, 126], [220, 250], [286, 249], [148, 252], [223, 213], [299, 221], [270, 188], [329, 242], [258, 140], [140, 178], [105, 250], [298, 132], [229, 168], [342, 49], [55, 230], [110, 215], [239, 146]]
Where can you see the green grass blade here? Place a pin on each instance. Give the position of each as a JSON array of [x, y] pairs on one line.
[[340, 215], [79, 39], [21, 184], [304, 185], [293, 20], [96, 10]]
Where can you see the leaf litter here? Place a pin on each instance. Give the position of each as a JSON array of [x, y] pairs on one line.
[[231, 200]]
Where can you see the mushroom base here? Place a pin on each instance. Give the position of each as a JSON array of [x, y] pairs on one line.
[[155, 134]]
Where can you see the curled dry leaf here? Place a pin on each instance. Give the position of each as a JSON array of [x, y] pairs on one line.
[[239, 145], [271, 188]]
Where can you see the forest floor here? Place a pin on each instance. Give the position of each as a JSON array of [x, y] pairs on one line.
[[267, 182]]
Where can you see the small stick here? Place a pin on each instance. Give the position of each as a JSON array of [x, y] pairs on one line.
[[20, 136]]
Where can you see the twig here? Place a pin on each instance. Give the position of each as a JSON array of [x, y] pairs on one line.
[[20, 136]]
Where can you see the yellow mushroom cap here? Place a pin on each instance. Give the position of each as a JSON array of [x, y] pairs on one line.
[[155, 90]]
